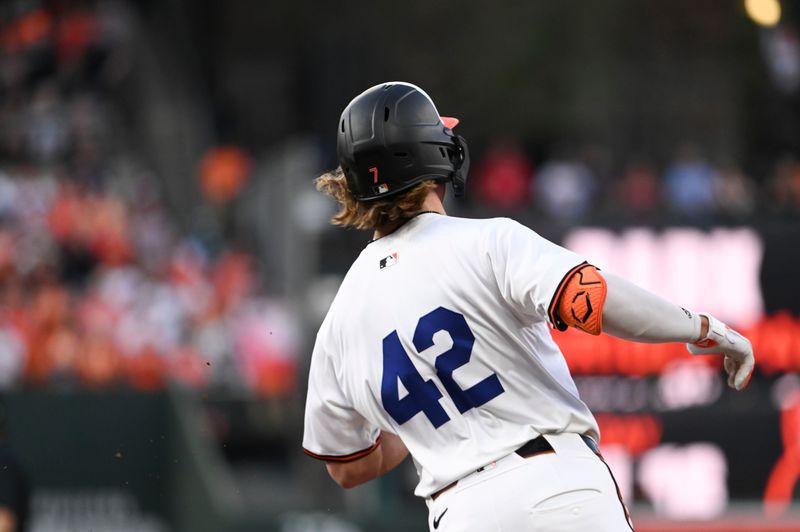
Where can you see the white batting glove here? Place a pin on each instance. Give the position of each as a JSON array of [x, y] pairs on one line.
[[739, 360]]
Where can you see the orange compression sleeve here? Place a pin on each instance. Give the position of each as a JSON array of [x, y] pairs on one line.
[[582, 300]]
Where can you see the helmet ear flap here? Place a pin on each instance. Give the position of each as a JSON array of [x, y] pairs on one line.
[[461, 165]]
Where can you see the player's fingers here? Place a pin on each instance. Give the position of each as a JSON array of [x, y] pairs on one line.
[[730, 366], [744, 373]]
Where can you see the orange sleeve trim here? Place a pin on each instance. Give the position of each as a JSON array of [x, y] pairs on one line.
[[345, 458], [582, 300], [555, 321]]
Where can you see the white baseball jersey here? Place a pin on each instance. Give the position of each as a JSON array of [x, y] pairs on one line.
[[439, 334]]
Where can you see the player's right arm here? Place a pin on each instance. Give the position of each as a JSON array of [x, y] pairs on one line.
[[540, 279], [592, 302], [389, 453], [354, 450]]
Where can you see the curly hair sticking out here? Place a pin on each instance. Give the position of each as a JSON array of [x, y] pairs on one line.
[[371, 214]]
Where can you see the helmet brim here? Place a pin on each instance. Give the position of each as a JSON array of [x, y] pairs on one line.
[[449, 122]]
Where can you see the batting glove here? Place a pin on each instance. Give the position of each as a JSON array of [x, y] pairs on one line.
[[739, 360]]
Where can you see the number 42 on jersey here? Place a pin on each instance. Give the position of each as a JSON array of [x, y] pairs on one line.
[[424, 395]]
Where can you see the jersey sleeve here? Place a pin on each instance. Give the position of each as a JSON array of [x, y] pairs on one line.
[[334, 431], [530, 271]]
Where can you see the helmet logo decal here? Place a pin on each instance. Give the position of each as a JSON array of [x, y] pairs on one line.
[[374, 171]]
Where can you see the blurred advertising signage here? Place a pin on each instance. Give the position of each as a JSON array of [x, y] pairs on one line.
[[776, 342], [716, 271]]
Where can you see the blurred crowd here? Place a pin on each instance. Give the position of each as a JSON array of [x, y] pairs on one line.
[[573, 184], [98, 286]]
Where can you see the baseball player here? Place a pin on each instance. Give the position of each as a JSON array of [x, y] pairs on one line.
[[437, 343]]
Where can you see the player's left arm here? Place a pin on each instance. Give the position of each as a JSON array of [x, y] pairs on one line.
[[388, 454], [595, 302]]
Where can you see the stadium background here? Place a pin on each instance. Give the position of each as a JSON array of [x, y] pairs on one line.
[[165, 261]]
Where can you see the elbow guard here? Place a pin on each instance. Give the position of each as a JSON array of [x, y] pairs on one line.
[[580, 302]]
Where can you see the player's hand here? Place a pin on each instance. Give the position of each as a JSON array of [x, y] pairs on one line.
[[739, 360]]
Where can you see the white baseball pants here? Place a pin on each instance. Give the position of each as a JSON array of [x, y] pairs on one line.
[[570, 490]]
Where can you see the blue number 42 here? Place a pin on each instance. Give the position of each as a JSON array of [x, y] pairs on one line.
[[423, 395]]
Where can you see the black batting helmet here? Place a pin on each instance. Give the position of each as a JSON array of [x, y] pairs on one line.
[[391, 137]]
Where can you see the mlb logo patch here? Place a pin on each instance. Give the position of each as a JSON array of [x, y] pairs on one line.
[[391, 260], [383, 188]]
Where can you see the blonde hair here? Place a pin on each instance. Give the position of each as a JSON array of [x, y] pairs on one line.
[[371, 214]]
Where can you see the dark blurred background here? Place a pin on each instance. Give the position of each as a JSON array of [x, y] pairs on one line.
[[165, 261]]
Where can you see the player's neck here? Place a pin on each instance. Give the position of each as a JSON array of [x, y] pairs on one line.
[[432, 203]]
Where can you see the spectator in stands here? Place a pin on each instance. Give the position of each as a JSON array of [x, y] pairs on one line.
[[784, 186], [599, 160], [734, 192], [502, 179], [565, 187], [689, 183], [638, 190], [96, 288], [47, 135], [223, 172]]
